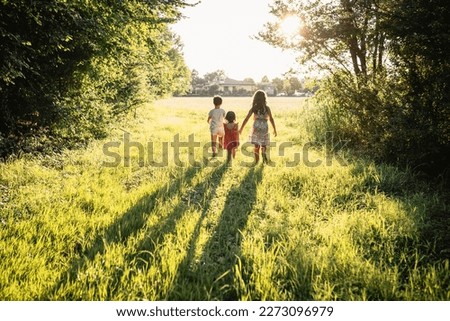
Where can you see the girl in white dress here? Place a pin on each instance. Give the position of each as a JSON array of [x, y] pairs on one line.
[[260, 130]]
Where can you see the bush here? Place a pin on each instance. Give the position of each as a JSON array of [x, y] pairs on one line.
[[384, 119], [67, 68]]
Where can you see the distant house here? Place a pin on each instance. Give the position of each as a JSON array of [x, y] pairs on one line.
[[230, 86]]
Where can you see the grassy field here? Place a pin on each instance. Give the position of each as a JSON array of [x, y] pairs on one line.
[[108, 223]]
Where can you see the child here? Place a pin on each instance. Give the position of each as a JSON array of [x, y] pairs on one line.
[[231, 139], [215, 120], [260, 130]]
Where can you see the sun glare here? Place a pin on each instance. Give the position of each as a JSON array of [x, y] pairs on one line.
[[290, 26]]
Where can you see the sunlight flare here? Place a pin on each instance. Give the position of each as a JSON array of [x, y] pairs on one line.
[[290, 25]]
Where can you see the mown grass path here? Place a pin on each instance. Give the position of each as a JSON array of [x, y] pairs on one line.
[[74, 227]]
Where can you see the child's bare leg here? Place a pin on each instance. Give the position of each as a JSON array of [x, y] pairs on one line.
[[256, 152], [234, 152], [264, 155], [229, 153], [221, 142], [213, 144]]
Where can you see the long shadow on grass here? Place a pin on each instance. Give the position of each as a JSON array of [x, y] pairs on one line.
[[200, 194], [126, 226], [211, 276]]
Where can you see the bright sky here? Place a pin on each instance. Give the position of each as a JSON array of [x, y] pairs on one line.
[[217, 34]]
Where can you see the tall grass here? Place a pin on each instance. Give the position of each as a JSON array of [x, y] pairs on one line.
[[73, 229]]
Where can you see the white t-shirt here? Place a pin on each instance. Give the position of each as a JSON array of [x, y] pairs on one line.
[[217, 115]]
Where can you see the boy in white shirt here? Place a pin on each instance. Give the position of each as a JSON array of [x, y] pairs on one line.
[[215, 120]]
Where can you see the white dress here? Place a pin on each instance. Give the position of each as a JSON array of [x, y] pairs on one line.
[[260, 130]]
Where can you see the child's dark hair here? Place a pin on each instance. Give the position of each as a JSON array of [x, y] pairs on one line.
[[217, 100], [230, 116], [259, 105]]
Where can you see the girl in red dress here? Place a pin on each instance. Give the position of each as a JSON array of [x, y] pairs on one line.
[[231, 138]]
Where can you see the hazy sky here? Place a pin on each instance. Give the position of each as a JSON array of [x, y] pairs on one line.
[[217, 34]]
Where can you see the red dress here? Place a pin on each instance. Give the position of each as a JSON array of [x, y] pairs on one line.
[[231, 139]]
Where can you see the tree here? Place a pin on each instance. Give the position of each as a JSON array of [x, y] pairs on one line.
[[287, 86], [67, 68], [215, 76], [422, 60], [196, 79], [389, 68], [295, 84], [311, 84], [344, 33], [279, 85], [213, 90]]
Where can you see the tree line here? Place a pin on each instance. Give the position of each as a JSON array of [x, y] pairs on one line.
[[68, 68], [289, 84], [388, 63]]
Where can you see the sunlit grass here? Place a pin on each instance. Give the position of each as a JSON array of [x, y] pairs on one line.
[[73, 229]]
